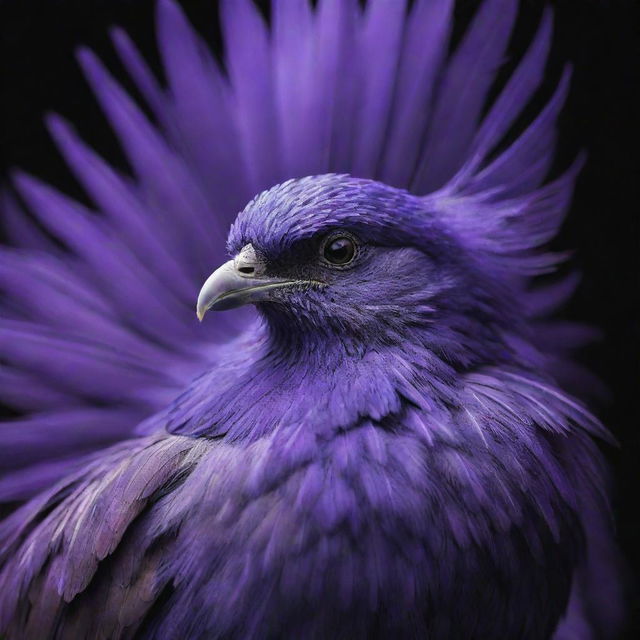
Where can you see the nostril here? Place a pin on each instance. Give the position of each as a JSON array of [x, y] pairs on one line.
[[247, 270]]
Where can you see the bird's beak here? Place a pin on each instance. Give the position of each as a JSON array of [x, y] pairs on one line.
[[237, 282]]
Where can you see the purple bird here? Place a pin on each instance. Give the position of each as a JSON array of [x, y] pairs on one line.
[[384, 445]]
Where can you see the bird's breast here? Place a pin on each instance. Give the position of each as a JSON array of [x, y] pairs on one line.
[[362, 533], [319, 535]]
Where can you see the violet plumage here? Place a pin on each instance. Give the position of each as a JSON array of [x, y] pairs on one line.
[[387, 446]]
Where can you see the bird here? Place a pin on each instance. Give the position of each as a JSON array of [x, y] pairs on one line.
[[377, 429]]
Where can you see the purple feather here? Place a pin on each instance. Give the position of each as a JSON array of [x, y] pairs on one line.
[[386, 446]]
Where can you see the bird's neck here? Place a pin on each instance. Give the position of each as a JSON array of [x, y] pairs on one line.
[[281, 373], [452, 340], [269, 382]]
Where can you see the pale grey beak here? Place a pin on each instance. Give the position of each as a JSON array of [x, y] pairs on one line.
[[238, 282]]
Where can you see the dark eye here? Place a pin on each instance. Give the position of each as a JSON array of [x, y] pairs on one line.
[[339, 250]]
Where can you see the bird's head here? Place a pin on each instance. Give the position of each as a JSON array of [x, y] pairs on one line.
[[337, 255]]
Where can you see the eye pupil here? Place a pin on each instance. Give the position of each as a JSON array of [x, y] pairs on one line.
[[340, 250]]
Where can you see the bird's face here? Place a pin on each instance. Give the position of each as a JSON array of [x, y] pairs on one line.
[[339, 254]]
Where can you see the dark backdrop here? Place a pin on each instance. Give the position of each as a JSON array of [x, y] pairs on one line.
[[600, 37]]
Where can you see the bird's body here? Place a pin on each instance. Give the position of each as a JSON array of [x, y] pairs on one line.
[[374, 510], [385, 449], [384, 462]]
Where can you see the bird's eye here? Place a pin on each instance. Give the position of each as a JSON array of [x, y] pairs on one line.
[[339, 250]]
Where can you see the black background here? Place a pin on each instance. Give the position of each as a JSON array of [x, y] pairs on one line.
[[600, 37]]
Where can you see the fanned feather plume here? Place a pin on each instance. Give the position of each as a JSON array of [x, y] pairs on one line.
[[97, 330]]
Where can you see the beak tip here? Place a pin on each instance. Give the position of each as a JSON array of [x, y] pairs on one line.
[[200, 313]]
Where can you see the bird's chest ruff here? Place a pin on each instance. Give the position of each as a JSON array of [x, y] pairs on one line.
[[380, 524], [377, 498], [331, 497], [337, 527]]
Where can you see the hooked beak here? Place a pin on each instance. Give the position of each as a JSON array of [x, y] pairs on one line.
[[238, 282]]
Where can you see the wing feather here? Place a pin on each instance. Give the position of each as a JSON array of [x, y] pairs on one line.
[[70, 546]]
